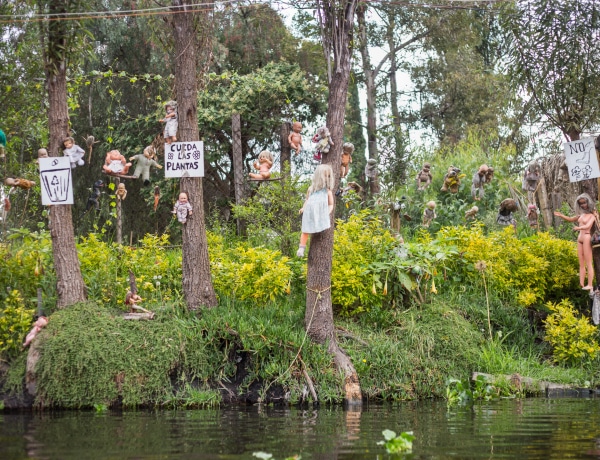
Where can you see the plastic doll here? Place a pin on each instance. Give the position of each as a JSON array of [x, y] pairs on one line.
[[323, 140], [132, 299], [2, 144], [264, 164], [156, 197], [585, 218], [74, 152], [347, 151], [318, 205], [479, 179], [93, 200], [471, 214], [42, 153], [121, 192], [115, 163], [452, 180], [171, 122], [429, 213], [144, 162], [295, 138], [40, 323], [371, 169], [505, 217], [532, 215], [424, 177], [18, 182], [182, 208]]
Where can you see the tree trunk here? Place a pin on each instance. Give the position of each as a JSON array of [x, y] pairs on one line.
[[238, 168], [197, 284], [286, 149], [69, 285], [370, 90], [119, 235], [319, 311], [398, 144]]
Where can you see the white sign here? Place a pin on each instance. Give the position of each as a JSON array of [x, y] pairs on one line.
[[55, 180], [581, 159], [184, 159]]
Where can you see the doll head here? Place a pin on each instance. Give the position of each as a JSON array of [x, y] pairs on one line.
[[348, 148], [483, 169], [431, 204], [68, 142], [296, 126], [323, 178], [323, 132], [171, 106], [42, 321], [149, 152], [426, 167], [265, 155], [584, 204], [42, 153], [183, 197]]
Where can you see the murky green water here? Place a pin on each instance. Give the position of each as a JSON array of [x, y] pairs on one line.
[[524, 429]]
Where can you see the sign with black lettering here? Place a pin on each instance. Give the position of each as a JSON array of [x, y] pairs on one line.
[[55, 180], [184, 159], [581, 159]]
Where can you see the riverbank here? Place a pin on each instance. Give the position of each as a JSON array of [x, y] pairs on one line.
[[89, 356]]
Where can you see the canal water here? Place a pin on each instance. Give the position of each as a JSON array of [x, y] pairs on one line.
[[536, 428]]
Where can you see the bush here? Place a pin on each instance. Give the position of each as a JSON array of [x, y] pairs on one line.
[[15, 322], [572, 337]]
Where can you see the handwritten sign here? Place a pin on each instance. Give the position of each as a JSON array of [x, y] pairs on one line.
[[55, 179], [581, 159], [184, 159]]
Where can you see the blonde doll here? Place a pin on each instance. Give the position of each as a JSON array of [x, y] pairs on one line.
[[264, 164], [318, 205]]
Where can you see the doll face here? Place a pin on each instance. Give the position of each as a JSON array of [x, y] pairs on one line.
[[183, 198], [297, 127], [68, 144], [169, 109], [582, 202]]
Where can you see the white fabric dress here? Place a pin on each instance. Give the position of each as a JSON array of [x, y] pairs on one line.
[[315, 217]]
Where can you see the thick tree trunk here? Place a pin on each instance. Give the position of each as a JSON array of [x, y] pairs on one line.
[[69, 286], [370, 91], [286, 149], [319, 311], [398, 144], [197, 284]]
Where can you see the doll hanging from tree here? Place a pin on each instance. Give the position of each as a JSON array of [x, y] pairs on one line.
[[295, 138], [264, 164], [144, 162], [171, 123], [183, 208], [74, 152], [318, 205]]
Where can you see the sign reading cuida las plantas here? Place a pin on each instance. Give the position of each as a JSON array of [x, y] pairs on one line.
[[581, 159], [184, 159]]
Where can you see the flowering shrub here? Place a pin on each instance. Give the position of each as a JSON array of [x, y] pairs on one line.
[[15, 322], [572, 337]]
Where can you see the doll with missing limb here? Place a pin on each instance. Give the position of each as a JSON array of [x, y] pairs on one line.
[[295, 138], [585, 218], [264, 164], [318, 205]]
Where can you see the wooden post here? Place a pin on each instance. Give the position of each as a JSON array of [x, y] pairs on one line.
[[286, 150], [119, 219], [238, 167], [545, 206]]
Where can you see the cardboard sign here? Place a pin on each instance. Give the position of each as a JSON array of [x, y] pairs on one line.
[[581, 159], [184, 159], [55, 180]]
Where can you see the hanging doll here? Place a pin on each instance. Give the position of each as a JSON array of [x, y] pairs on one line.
[[182, 208], [295, 138], [347, 151], [323, 140], [531, 177], [532, 215], [318, 205], [371, 169], [2, 144], [121, 192], [489, 175], [93, 200], [586, 218], [40, 323], [74, 152], [23, 184], [156, 197], [171, 123], [116, 164], [42, 153], [452, 180], [144, 162], [505, 217], [471, 214], [264, 164], [4, 204], [424, 177], [479, 178], [429, 213]]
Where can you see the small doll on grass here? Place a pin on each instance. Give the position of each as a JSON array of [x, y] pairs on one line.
[[182, 208], [318, 205]]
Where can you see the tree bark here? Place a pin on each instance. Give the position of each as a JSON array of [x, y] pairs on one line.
[[238, 168], [286, 149], [319, 310], [69, 285], [197, 284]]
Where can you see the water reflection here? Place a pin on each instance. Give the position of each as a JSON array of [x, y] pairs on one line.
[[532, 429]]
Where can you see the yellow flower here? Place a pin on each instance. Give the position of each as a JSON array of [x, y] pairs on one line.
[[433, 289]]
